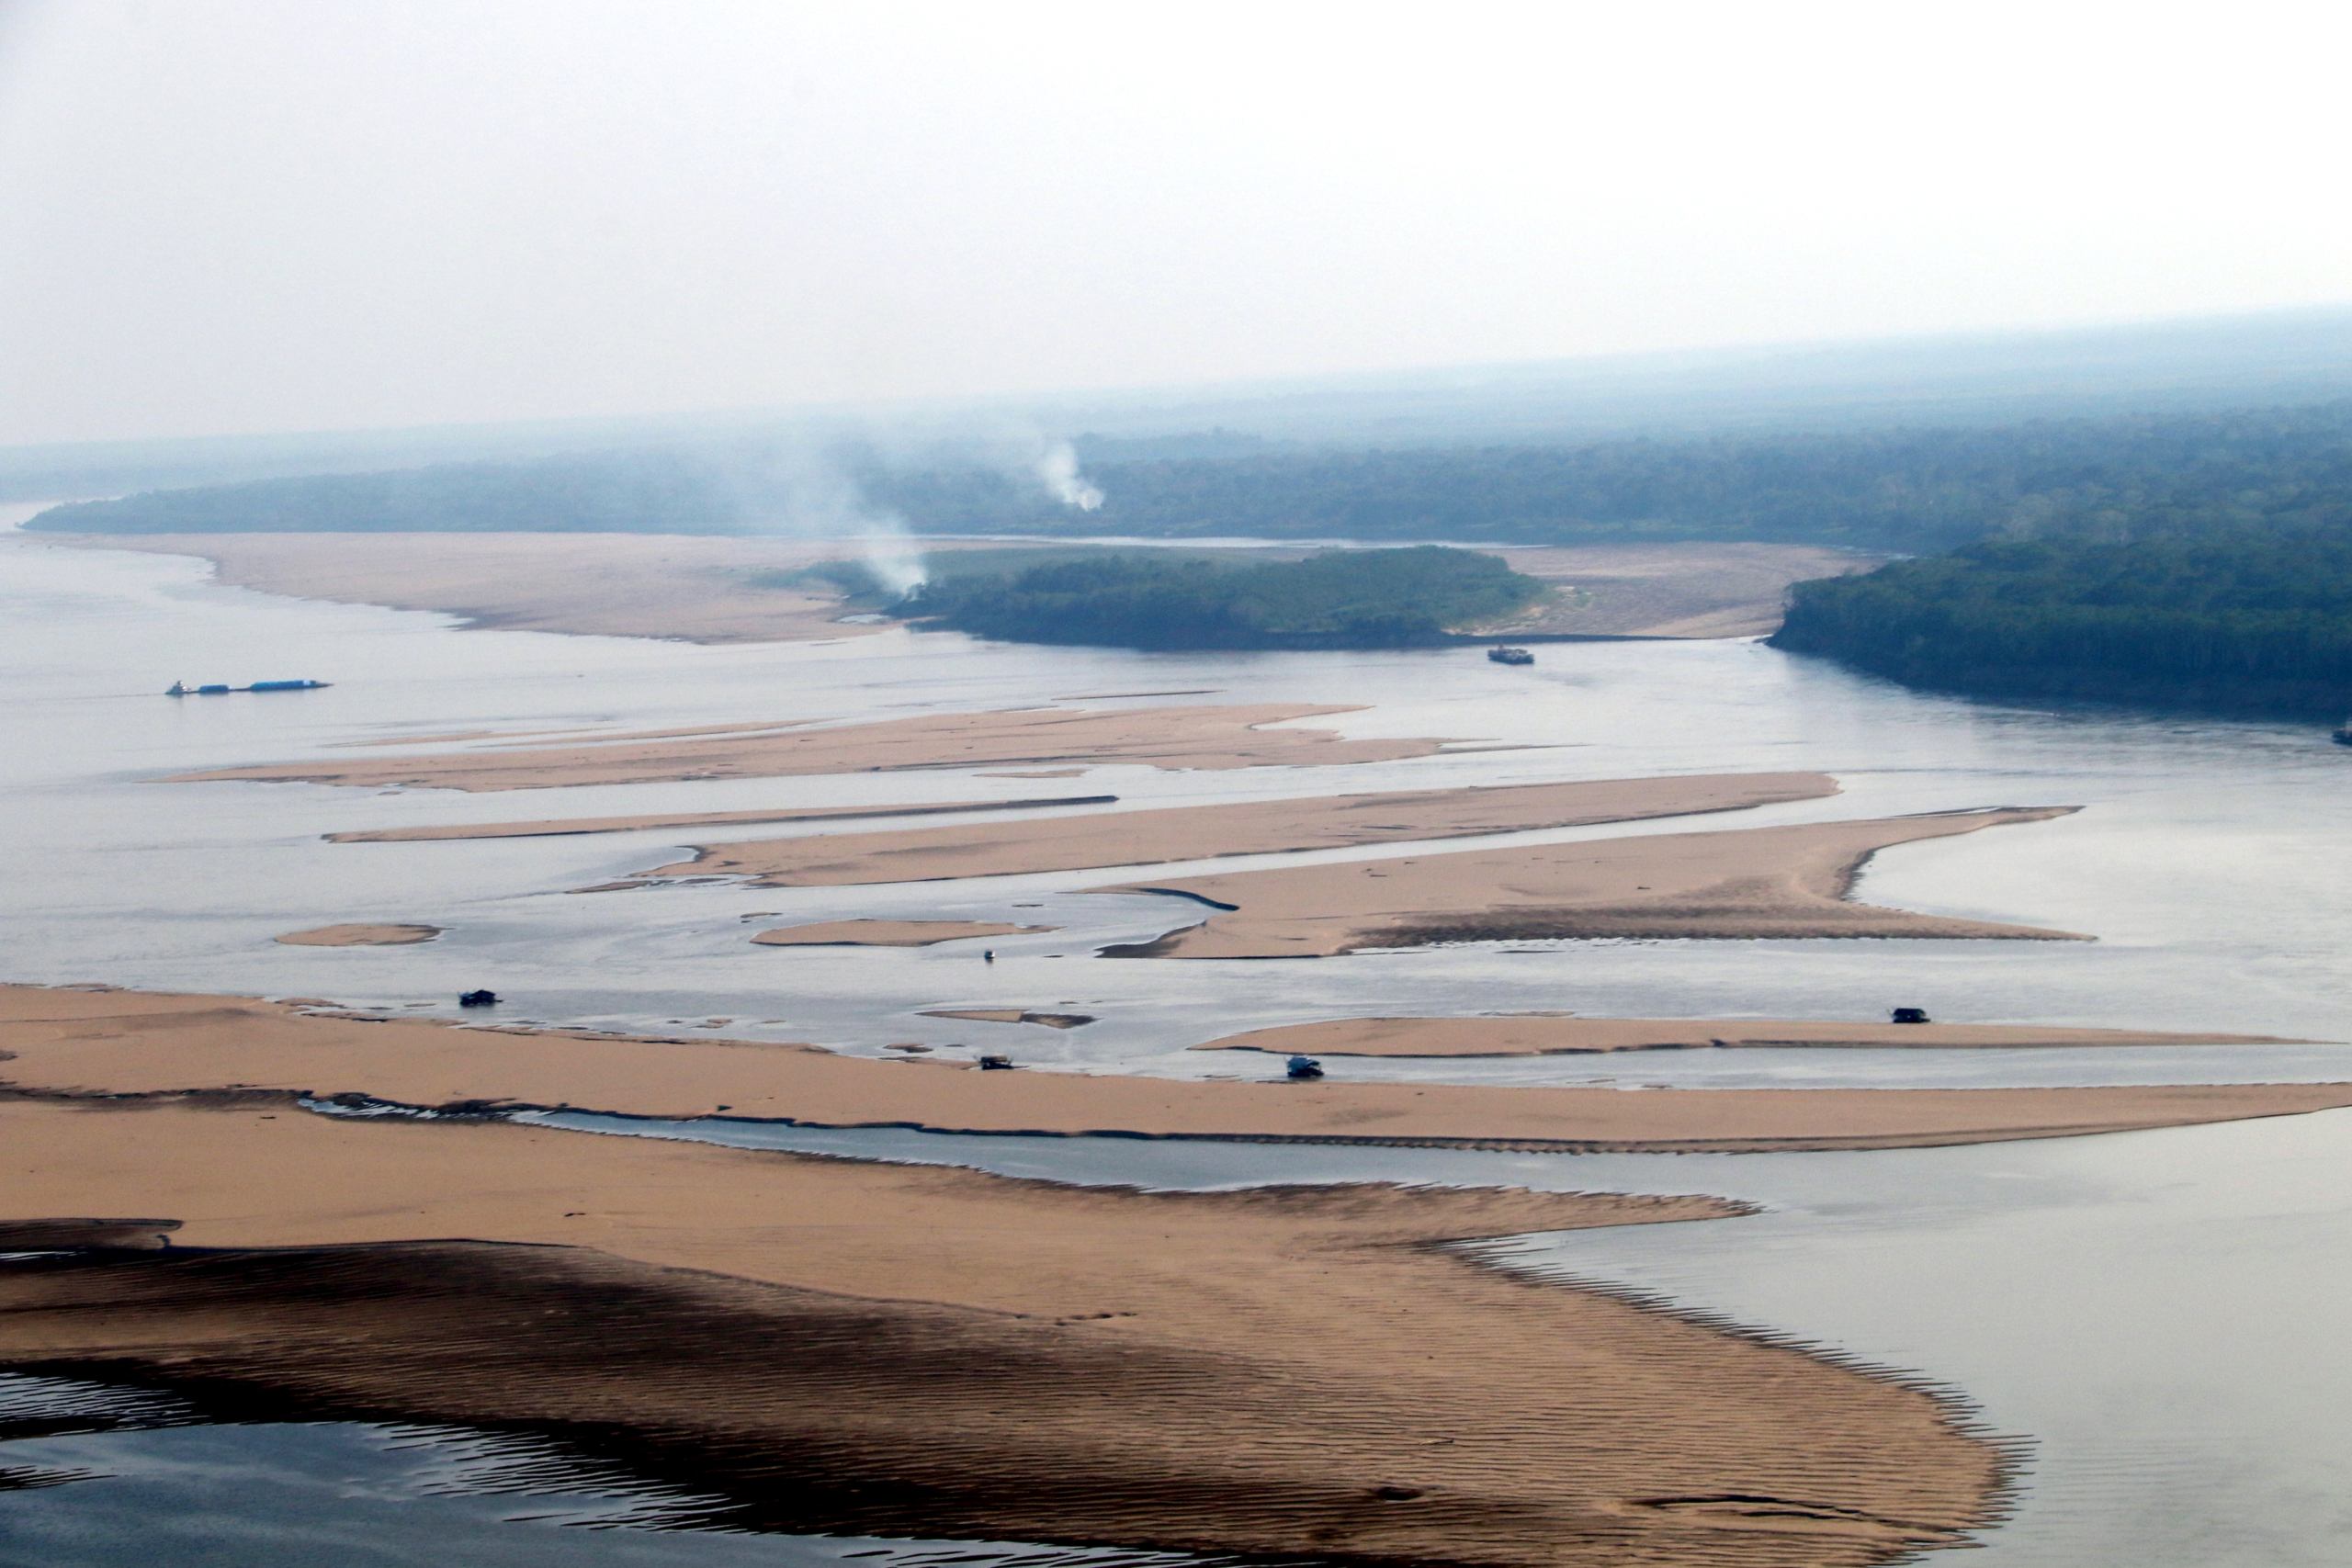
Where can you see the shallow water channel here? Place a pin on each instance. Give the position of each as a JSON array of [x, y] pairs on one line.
[[2161, 1315]]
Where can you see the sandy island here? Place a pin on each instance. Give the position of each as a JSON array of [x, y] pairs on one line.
[[807, 1344], [1014, 1015], [1247, 828], [1201, 737], [700, 588], [360, 936], [83, 1042], [695, 819], [1547, 1036], [1755, 882], [890, 933]]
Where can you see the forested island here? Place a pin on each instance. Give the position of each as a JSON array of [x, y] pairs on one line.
[[1411, 597], [2244, 619]]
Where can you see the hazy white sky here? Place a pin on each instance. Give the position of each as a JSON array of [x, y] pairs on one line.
[[262, 215]]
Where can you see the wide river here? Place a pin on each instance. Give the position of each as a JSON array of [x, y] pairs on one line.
[[2161, 1317]]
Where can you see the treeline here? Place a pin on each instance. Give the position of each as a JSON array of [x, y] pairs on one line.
[[1345, 599], [2245, 619], [1896, 491]]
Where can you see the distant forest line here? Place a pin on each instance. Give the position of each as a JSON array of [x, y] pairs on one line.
[[1905, 491]]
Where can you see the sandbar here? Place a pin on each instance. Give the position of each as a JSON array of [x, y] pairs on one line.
[[1201, 737], [1246, 828], [1687, 590], [1014, 1015], [695, 819], [820, 1345], [889, 934], [1748, 882], [77, 1043], [360, 936], [1546, 1035]]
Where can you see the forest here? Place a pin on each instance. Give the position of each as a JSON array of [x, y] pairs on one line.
[[1341, 598], [1908, 492], [2245, 619]]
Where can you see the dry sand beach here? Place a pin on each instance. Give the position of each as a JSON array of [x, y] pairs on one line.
[[360, 936], [1207, 832], [816, 1344], [1756, 882], [1229, 737], [1537, 1035]]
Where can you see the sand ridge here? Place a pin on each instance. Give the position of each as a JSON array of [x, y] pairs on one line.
[[858, 1347], [890, 933], [1743, 882], [1543, 1034], [1245, 827], [360, 936], [1231, 736], [75, 1043], [564, 828]]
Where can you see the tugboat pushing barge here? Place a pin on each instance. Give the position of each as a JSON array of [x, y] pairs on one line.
[[1510, 656]]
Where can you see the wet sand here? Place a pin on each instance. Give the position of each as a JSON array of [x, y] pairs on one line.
[[1199, 736], [1544, 1035], [695, 819], [812, 1343], [80, 1043], [360, 936], [1248, 828], [1752, 883], [889, 934]]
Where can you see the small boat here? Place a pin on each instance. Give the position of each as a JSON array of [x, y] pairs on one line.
[[1911, 1015], [1304, 1067], [2342, 733], [179, 690], [477, 999], [1510, 656]]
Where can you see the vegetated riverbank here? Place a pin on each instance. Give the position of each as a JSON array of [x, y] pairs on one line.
[[2241, 621], [1413, 597]]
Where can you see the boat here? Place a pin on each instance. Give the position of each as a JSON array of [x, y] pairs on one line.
[[2342, 733], [1510, 656], [181, 690], [1303, 1067]]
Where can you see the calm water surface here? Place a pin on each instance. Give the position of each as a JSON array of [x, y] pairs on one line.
[[2158, 1312]]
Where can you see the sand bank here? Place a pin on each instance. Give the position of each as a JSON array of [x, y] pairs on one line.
[[889, 934], [821, 1345], [1544, 1035], [1693, 590], [360, 936], [1214, 737], [1248, 828], [125, 1042], [695, 819], [1014, 1015], [694, 587], [1756, 882]]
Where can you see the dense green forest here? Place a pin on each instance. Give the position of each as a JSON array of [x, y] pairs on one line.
[[2248, 619], [1395, 598], [1910, 491]]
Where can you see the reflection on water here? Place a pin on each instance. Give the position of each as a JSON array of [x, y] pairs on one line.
[[2161, 1313]]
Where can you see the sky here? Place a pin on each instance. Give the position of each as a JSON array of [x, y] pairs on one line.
[[244, 216]]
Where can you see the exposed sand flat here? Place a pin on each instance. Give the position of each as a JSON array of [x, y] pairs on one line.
[[1755, 882], [1014, 1015], [855, 1348], [1691, 589], [687, 587], [889, 934], [695, 819], [72, 1042], [360, 936], [1248, 828], [1214, 737], [1543, 1036]]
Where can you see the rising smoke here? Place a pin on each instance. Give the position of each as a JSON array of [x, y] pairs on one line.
[[1058, 468]]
